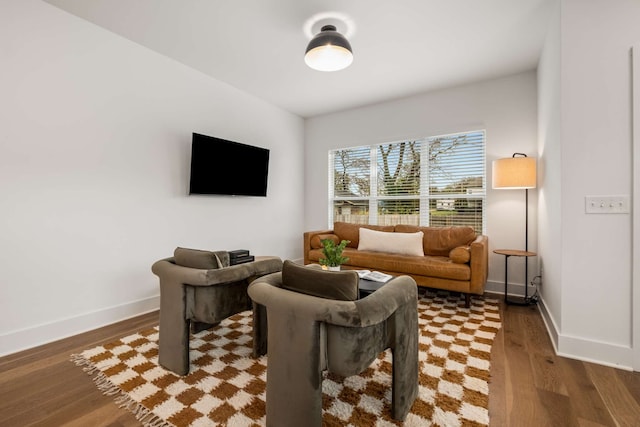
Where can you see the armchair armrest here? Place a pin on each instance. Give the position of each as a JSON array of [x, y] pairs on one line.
[[479, 264]]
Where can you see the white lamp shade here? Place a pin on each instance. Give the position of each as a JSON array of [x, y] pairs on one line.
[[514, 173], [328, 58]]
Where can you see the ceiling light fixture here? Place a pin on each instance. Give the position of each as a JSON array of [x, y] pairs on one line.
[[328, 50]]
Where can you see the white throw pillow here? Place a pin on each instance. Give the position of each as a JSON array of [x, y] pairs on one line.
[[395, 243]]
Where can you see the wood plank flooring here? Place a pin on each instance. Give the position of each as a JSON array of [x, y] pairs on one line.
[[530, 385], [42, 387]]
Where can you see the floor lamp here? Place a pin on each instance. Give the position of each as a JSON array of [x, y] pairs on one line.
[[516, 173]]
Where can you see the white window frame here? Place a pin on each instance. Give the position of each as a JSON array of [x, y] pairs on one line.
[[424, 197]]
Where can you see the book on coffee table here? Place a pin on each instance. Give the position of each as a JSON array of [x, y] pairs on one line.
[[375, 276]]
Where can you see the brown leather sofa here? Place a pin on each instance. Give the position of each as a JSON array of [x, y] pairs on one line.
[[455, 258]]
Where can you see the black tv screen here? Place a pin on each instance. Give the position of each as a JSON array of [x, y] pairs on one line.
[[225, 167]]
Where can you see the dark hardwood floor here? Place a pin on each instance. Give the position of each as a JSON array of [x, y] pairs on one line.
[[530, 385]]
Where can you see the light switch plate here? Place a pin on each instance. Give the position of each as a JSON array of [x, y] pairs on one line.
[[606, 204]]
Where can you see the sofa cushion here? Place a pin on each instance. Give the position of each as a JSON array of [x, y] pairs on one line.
[[316, 241], [431, 266], [312, 280], [440, 240], [196, 258], [460, 255], [351, 232], [394, 243]]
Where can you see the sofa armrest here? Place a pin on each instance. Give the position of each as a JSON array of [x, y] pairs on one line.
[[306, 237], [479, 263]]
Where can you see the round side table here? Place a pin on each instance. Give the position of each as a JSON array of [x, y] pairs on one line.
[[509, 253]]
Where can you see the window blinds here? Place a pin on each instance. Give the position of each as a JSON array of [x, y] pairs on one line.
[[436, 181]]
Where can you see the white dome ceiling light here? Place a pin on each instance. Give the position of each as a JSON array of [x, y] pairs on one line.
[[328, 50]]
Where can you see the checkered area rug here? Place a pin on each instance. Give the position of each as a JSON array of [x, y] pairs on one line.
[[227, 387]]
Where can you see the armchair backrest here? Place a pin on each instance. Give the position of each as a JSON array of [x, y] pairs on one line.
[[312, 280], [204, 260]]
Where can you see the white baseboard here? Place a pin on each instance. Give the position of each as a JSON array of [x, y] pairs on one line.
[[549, 323], [34, 336], [515, 289], [602, 353]]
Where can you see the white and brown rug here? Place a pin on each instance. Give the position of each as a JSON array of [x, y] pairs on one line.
[[226, 386]]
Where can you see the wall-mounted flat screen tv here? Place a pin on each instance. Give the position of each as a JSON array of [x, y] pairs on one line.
[[225, 167]]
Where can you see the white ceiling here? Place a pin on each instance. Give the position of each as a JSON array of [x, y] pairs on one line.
[[400, 47]]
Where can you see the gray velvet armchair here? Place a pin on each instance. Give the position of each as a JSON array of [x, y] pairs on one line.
[[198, 289], [305, 334]]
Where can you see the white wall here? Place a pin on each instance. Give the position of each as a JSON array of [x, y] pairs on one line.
[[595, 158], [550, 176], [506, 108], [635, 208], [95, 137]]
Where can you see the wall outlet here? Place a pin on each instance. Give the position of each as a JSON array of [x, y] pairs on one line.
[[606, 204]]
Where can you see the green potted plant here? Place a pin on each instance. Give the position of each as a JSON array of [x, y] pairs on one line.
[[333, 254]]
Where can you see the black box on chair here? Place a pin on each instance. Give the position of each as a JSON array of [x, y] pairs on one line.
[[238, 253], [241, 260]]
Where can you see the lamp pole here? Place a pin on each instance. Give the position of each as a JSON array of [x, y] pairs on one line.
[[526, 236], [526, 244]]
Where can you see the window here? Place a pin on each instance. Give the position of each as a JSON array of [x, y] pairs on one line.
[[437, 181]]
